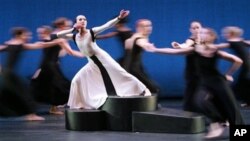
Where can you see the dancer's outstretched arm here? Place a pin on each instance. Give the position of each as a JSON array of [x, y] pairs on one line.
[[111, 23], [188, 43], [61, 42], [66, 34], [65, 45], [108, 35], [181, 51], [38, 45]]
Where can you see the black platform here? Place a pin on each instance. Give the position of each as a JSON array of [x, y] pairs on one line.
[[138, 114], [166, 120], [119, 110], [85, 120]]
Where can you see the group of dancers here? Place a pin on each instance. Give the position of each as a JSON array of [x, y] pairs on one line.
[[48, 85], [207, 90]]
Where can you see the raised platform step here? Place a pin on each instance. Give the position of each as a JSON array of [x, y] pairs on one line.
[[85, 120], [166, 120], [119, 110]]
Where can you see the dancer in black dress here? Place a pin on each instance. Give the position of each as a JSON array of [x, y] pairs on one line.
[[136, 44], [15, 98], [49, 84], [122, 32], [240, 47], [190, 74], [210, 78]]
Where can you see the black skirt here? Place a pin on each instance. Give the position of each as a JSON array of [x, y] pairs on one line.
[[15, 97], [51, 86]]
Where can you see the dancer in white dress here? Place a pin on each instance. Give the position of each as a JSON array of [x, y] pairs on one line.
[[102, 75]]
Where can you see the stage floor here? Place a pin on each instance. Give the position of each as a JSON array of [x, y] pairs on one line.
[[53, 129]]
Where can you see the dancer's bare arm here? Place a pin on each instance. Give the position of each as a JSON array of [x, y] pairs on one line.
[[181, 51], [188, 43], [66, 34], [236, 63], [111, 23]]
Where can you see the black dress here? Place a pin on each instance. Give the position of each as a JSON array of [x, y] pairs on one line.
[[136, 68], [191, 80], [211, 79], [15, 97], [51, 86], [242, 84], [123, 36]]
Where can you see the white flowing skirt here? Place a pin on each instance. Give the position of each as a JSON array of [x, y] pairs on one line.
[[87, 87]]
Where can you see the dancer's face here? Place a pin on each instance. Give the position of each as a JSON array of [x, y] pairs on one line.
[[145, 27], [26, 36], [195, 28], [232, 32], [207, 35], [68, 24], [204, 35], [80, 19], [42, 34], [226, 35]]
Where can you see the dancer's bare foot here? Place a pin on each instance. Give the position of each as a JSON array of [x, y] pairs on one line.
[[215, 130], [61, 106], [34, 117], [225, 124], [55, 110], [245, 105]]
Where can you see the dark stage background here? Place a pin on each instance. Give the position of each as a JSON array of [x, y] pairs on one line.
[[170, 19]]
